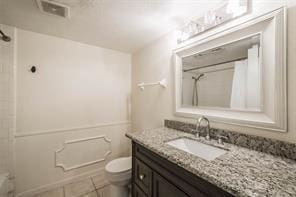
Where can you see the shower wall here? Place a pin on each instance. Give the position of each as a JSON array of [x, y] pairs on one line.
[[214, 88], [7, 100]]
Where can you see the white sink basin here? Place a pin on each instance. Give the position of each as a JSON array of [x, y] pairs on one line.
[[199, 149]]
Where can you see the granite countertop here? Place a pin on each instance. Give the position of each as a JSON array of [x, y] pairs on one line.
[[241, 171]]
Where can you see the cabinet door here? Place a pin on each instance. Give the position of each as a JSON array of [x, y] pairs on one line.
[[137, 192], [163, 188], [143, 176]]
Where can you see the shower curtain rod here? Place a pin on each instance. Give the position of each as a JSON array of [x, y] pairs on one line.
[[217, 70], [199, 67]]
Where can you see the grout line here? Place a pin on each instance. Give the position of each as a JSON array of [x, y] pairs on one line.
[[99, 188], [93, 182], [64, 192], [105, 185], [91, 178], [97, 192], [90, 191]]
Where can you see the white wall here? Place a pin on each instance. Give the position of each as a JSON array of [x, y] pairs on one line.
[[153, 62], [79, 91], [7, 97]]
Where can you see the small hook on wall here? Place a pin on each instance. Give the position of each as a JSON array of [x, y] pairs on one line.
[[33, 69]]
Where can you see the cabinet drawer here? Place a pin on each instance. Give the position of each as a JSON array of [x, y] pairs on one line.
[[143, 176], [137, 192]]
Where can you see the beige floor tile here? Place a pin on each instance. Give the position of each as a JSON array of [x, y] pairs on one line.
[[99, 181], [92, 194], [53, 193], [79, 188], [104, 192]]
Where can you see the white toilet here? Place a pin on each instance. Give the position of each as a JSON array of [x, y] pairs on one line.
[[118, 173]]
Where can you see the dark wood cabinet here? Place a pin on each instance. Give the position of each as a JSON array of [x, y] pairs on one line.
[[155, 176], [143, 176], [137, 192], [163, 188]]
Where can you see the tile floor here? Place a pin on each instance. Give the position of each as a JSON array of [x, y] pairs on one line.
[[91, 187]]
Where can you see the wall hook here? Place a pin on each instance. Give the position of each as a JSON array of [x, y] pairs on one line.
[[33, 69]]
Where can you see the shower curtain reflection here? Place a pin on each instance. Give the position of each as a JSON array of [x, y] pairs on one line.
[[245, 92]]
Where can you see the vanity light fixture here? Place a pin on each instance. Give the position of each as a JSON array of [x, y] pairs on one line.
[[229, 10], [235, 8]]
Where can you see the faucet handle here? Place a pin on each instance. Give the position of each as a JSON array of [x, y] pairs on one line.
[[208, 137], [221, 138], [197, 134]]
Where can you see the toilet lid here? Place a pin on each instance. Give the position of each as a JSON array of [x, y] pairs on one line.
[[119, 165]]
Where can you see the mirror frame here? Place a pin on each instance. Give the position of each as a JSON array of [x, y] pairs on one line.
[[273, 115]]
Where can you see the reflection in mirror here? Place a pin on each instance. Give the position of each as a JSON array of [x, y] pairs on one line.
[[227, 76]]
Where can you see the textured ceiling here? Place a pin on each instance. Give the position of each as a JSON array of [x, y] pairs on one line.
[[124, 25]]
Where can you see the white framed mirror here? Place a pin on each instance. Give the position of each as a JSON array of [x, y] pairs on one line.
[[237, 76]]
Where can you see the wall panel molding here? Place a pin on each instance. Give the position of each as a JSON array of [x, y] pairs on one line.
[[68, 143], [69, 129]]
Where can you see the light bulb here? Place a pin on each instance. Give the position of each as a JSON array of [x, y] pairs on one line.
[[234, 8]]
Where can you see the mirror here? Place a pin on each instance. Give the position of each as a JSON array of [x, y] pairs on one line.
[[236, 75], [227, 76]]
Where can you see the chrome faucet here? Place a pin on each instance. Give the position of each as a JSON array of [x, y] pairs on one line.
[[207, 127]]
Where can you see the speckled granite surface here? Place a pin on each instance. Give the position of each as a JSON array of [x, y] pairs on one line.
[[241, 172], [270, 146]]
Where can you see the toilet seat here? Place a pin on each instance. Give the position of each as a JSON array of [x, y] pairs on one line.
[[119, 165]]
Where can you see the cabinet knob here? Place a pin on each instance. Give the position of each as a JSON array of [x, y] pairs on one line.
[[141, 177]]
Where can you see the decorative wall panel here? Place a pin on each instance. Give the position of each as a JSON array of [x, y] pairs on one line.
[[82, 152]]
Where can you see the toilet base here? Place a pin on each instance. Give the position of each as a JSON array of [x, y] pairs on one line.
[[119, 191]]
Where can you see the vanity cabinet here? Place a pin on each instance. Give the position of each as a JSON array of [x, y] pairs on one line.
[[162, 187], [155, 176]]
